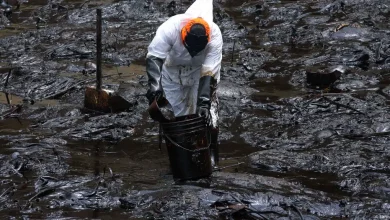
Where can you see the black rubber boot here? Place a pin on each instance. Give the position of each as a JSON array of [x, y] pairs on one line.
[[214, 148]]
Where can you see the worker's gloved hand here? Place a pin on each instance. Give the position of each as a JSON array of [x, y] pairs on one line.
[[153, 70], [151, 96], [204, 112], [204, 102]]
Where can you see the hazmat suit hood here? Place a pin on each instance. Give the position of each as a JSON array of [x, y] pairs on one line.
[[201, 8], [196, 38]]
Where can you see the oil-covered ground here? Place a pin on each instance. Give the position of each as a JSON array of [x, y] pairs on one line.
[[305, 120]]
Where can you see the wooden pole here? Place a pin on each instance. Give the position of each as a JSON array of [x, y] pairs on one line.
[[234, 45], [98, 48]]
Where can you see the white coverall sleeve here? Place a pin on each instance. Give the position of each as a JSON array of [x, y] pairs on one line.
[[212, 63], [163, 40]]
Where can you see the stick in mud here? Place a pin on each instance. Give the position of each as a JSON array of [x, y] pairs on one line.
[[5, 85], [6, 80], [233, 165], [97, 159], [4, 193], [98, 49], [342, 105], [234, 45]]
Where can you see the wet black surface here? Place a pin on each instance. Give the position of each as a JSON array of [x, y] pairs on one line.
[[292, 149]]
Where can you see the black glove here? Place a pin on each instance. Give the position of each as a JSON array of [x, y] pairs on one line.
[[151, 96], [204, 112], [204, 102], [153, 70]]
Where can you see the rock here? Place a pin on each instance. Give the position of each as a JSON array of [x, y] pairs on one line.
[[323, 78], [349, 33]]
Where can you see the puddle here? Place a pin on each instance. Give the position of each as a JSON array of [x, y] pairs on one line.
[[14, 125], [16, 100], [123, 73]]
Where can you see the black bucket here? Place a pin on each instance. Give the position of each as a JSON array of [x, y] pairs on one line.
[[188, 143]]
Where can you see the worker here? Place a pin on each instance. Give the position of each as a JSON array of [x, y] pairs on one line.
[[183, 64]]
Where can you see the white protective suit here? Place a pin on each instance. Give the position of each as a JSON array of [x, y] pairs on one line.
[[180, 71]]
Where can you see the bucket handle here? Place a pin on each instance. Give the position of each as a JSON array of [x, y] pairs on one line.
[[196, 150]]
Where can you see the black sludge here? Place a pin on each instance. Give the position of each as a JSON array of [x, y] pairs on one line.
[[304, 113]]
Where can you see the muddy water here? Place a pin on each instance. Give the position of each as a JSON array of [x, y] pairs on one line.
[[288, 150]]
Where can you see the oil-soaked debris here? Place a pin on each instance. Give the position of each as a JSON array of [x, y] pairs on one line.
[[324, 78]]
